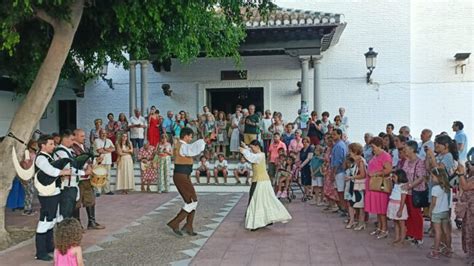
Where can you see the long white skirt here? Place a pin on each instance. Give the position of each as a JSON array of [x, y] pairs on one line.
[[234, 140], [265, 208]]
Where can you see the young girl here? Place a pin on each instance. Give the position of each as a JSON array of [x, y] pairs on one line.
[[317, 176], [67, 243], [439, 212], [203, 170], [397, 209]]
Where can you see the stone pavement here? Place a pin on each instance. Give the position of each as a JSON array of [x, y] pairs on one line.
[[136, 235], [311, 238], [115, 212]]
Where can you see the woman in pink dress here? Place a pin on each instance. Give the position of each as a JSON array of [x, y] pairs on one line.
[[296, 144], [154, 125], [376, 202]]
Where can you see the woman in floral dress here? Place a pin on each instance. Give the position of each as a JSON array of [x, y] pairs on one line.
[[112, 128], [148, 169], [123, 125], [163, 162], [329, 188]]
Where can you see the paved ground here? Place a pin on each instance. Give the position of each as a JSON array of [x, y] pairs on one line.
[[311, 238], [136, 235]]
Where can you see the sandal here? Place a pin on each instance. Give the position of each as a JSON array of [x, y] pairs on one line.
[[447, 252], [434, 254]]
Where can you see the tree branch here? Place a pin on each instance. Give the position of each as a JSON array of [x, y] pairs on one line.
[[41, 14]]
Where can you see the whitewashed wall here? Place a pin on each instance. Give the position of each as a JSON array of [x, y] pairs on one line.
[[438, 95], [8, 106], [414, 82]]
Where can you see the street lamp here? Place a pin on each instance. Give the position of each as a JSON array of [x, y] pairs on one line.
[[370, 61], [103, 73]]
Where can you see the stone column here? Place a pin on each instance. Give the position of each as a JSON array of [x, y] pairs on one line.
[[133, 87], [304, 82], [144, 86], [317, 98]]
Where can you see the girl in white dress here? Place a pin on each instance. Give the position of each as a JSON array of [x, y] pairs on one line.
[[264, 208]]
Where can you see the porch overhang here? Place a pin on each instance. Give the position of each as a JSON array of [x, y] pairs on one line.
[[291, 31]]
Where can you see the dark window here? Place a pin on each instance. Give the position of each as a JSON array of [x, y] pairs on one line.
[[234, 75], [67, 114]]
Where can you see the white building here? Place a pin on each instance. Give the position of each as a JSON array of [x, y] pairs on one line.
[[415, 82]]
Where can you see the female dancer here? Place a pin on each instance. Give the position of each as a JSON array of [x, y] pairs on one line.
[[264, 208]]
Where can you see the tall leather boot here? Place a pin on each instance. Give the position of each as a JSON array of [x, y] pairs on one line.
[[188, 227], [174, 224], [92, 224]]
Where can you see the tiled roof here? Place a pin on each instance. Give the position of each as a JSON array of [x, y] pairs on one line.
[[287, 17]]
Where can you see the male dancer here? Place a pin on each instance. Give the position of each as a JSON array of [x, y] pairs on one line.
[[87, 195], [70, 184], [183, 166], [49, 203]]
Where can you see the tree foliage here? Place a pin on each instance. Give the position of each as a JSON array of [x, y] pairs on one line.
[[112, 29]]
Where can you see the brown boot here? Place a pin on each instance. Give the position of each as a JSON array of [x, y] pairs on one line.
[[188, 227], [92, 223], [174, 224]]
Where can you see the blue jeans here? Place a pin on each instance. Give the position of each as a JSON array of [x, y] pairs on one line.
[[137, 143]]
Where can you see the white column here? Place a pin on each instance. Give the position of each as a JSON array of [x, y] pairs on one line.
[[144, 86], [133, 87], [317, 100], [304, 82]]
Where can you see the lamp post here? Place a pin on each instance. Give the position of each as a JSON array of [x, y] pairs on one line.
[[103, 73], [370, 61]]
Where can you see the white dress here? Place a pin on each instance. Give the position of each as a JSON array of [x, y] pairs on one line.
[[264, 207]]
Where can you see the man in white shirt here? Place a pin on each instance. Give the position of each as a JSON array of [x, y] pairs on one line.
[[183, 166], [137, 127], [426, 142], [344, 118], [70, 184], [104, 148]]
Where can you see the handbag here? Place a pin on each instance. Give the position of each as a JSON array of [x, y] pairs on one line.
[[420, 198], [380, 184]]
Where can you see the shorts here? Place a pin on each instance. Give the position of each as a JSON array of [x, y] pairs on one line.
[[340, 182], [245, 173], [137, 143], [271, 170], [440, 218], [249, 137], [317, 181], [220, 173]]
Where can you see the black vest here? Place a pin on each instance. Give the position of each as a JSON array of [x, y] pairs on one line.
[[43, 178]]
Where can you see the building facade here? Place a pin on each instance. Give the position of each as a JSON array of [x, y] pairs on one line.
[[415, 82]]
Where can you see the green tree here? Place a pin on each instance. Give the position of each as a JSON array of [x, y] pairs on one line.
[[42, 41]]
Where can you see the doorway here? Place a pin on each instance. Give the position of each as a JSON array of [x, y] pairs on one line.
[[227, 98], [67, 114]]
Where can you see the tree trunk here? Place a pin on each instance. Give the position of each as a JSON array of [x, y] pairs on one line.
[[30, 111]]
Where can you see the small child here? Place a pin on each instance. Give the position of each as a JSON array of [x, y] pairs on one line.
[[67, 243], [439, 212], [285, 175], [203, 169], [317, 176], [397, 209], [220, 168], [242, 170]]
